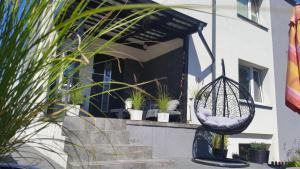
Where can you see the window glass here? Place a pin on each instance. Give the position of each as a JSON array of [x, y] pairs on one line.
[[242, 7], [254, 10], [257, 85], [249, 9], [244, 79], [106, 86]]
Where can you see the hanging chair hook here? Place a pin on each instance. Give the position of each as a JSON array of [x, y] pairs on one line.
[[223, 67]]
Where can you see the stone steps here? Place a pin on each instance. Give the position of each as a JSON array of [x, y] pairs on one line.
[[91, 123], [97, 137], [101, 143], [101, 152], [123, 164]]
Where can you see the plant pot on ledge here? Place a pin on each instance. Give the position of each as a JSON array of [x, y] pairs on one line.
[[135, 114], [136, 101], [258, 153], [163, 117], [259, 156], [72, 110], [220, 153], [163, 104], [76, 99]]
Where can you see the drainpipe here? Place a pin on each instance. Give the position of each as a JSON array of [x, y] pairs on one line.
[[214, 37], [200, 33]]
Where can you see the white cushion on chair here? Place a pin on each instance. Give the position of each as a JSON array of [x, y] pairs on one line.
[[219, 121], [172, 105], [204, 113]]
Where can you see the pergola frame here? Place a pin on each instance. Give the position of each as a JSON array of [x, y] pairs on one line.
[[159, 27]]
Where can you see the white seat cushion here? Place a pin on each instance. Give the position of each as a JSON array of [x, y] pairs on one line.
[[172, 105], [204, 113], [224, 121]]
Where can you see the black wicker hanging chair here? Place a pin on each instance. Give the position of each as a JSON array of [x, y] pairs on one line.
[[224, 106]]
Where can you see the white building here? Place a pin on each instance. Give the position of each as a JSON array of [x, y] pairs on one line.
[[250, 35], [253, 41]]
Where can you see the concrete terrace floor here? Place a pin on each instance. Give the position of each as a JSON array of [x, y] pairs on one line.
[[185, 163], [180, 163]]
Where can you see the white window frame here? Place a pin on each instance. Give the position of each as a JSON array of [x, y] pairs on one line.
[[260, 71], [249, 10]]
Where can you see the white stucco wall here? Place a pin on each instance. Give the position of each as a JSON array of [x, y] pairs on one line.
[[236, 39], [288, 121]]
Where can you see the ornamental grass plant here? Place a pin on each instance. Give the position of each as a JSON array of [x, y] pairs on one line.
[[39, 40]]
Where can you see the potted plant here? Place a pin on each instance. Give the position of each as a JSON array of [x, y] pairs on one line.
[[259, 153], [137, 99], [235, 156], [163, 104], [218, 151], [76, 99]]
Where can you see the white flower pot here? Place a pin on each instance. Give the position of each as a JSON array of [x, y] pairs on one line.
[[163, 117], [73, 110], [136, 114], [128, 104]]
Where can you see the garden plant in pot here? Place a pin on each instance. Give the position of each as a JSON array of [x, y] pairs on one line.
[[76, 99], [137, 99], [33, 37], [163, 104], [259, 153], [218, 152]]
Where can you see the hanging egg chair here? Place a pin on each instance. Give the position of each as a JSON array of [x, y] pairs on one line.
[[224, 106]]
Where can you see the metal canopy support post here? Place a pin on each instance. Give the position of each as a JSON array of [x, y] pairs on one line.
[[184, 81]]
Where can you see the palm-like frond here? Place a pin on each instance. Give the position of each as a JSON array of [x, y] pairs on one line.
[[39, 39]]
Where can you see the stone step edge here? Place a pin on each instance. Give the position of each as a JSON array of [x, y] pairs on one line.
[[112, 145], [103, 132], [139, 161], [85, 147]]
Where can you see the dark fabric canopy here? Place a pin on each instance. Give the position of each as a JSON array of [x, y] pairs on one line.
[[293, 2]]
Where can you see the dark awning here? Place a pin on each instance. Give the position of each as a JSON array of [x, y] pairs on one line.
[[159, 27], [293, 2]]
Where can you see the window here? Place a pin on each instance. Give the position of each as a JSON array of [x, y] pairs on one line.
[[249, 9], [250, 78]]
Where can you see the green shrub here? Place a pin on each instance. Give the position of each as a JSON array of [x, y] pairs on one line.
[[293, 163], [77, 97], [163, 99], [295, 160], [259, 146], [217, 141], [138, 99]]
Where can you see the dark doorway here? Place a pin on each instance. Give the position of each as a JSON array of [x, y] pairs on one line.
[[106, 71]]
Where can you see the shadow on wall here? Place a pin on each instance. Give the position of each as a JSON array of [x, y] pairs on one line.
[[195, 68], [202, 147], [292, 151]]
